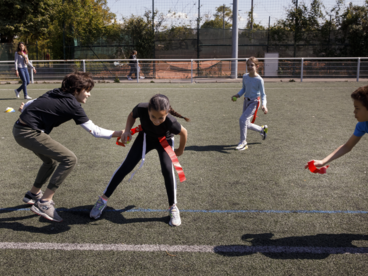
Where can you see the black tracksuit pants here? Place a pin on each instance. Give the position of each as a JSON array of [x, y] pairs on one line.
[[133, 158]]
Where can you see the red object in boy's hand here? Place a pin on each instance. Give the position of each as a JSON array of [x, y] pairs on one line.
[[314, 169], [132, 131]]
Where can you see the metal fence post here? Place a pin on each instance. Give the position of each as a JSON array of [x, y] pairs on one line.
[[301, 70], [358, 69], [137, 74], [84, 66], [32, 80], [191, 71]]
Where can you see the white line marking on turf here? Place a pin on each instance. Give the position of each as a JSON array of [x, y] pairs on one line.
[[184, 248]]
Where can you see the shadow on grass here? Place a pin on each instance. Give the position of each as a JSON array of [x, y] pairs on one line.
[[7, 99], [73, 216], [219, 148], [307, 247]]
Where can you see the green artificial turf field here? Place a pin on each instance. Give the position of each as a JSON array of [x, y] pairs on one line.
[[259, 210]]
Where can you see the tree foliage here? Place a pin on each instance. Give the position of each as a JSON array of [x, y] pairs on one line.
[[354, 26], [222, 18], [88, 22], [27, 19]]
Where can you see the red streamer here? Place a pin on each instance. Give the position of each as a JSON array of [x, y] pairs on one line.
[[314, 169], [255, 113], [173, 158]]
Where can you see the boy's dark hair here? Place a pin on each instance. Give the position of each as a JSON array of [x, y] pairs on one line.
[[160, 102], [361, 94], [76, 82]]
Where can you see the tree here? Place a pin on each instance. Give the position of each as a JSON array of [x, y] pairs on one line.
[[28, 19], [217, 23], [222, 18], [302, 23], [82, 22], [139, 32], [354, 26]]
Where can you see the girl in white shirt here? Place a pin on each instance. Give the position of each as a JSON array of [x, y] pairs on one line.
[[253, 91], [21, 70]]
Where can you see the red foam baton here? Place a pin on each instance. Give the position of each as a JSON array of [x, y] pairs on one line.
[[314, 169], [132, 131], [173, 158]]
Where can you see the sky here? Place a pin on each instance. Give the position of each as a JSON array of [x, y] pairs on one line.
[[185, 12]]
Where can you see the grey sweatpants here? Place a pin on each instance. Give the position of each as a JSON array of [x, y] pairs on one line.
[[249, 107], [50, 152]]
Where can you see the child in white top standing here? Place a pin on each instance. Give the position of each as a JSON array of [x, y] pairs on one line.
[[253, 91], [21, 70]]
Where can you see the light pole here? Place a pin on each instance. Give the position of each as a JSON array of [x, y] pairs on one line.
[[234, 63]]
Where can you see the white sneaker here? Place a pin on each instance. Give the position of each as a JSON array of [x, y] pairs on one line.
[[129, 78], [242, 146], [141, 78], [27, 98], [16, 93], [98, 208], [174, 216], [264, 132]]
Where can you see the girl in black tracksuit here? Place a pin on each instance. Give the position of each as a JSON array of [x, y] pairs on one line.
[[156, 121]]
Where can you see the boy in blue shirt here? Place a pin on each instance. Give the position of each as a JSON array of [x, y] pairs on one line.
[[360, 98]]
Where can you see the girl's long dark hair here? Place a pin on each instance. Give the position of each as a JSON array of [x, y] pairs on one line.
[[19, 51], [160, 102]]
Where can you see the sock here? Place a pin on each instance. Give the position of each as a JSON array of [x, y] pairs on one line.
[[43, 201], [104, 200], [35, 194]]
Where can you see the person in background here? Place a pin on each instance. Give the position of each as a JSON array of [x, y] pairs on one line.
[[21, 70], [134, 66]]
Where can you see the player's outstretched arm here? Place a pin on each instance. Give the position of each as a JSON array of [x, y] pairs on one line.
[[183, 140], [340, 151], [129, 124], [118, 133]]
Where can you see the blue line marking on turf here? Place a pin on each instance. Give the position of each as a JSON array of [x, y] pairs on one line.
[[200, 211]]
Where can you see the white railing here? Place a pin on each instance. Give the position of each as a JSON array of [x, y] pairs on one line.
[[190, 69]]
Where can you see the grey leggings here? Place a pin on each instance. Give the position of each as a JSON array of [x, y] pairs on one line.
[[50, 152], [249, 108]]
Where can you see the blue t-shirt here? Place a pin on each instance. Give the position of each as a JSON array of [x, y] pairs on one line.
[[253, 87], [361, 129]]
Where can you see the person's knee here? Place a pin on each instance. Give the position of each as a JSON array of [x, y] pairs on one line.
[[166, 170], [71, 160], [244, 121]]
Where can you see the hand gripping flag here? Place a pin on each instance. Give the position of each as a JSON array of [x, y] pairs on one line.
[[132, 131], [314, 169]]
